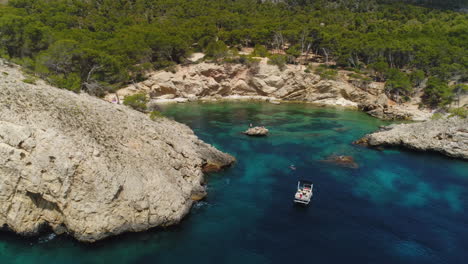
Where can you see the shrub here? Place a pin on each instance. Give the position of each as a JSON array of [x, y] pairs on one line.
[[260, 51], [70, 82], [326, 73], [356, 76], [155, 115], [216, 50], [436, 116], [460, 112], [248, 61], [30, 80], [278, 60], [136, 101], [294, 51]]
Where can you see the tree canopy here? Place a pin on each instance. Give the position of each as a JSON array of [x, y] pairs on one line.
[[104, 43]]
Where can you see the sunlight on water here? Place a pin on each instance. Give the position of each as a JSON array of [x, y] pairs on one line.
[[395, 207]]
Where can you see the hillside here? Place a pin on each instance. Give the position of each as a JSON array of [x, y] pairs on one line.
[[99, 46]]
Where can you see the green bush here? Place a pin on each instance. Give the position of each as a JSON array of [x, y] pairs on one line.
[[260, 51], [437, 93], [216, 50], [460, 112], [355, 76], [326, 73], [70, 82], [436, 116], [30, 80], [278, 60], [155, 115], [294, 51], [136, 101]]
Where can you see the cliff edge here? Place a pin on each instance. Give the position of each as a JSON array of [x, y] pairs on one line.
[[447, 136], [92, 169], [210, 81]]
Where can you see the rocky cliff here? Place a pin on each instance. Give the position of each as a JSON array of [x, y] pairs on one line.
[[447, 136], [293, 83], [92, 169]]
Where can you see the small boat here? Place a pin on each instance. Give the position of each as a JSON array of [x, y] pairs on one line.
[[304, 192]]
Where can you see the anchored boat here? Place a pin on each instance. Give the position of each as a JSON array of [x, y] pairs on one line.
[[304, 192]]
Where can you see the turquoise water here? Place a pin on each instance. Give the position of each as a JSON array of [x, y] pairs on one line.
[[397, 207]]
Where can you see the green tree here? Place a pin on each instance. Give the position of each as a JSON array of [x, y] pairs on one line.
[[437, 93], [216, 50], [398, 84], [380, 68], [136, 101], [417, 76]]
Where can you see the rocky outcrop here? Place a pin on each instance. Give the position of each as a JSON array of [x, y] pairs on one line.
[[92, 169], [447, 136], [256, 132], [294, 83]]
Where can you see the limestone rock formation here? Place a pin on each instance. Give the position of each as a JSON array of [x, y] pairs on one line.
[[90, 168], [256, 131], [209, 80], [447, 136]]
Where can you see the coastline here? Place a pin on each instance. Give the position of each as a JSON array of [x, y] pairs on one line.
[[343, 103], [206, 81]]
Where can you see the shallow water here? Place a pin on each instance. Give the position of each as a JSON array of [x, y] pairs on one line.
[[397, 207]]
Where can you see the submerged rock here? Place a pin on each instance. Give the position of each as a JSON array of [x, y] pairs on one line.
[[341, 129], [344, 161], [93, 169], [447, 136], [256, 131]]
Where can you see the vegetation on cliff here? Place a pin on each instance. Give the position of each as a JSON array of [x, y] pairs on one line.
[[98, 45]]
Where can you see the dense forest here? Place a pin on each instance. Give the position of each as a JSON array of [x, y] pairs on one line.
[[96, 45]]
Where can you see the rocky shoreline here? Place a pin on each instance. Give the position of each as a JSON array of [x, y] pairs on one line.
[[446, 136], [264, 82], [79, 165]]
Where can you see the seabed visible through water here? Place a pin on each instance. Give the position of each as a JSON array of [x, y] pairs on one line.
[[396, 207]]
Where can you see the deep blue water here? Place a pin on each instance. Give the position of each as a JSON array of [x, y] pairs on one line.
[[397, 207]]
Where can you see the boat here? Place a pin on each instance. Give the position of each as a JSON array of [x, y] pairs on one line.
[[304, 192]]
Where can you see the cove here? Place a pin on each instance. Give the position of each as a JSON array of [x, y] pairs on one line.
[[398, 206]]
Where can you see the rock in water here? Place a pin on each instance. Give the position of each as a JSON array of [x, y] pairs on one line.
[[90, 168], [343, 161], [447, 136], [256, 131]]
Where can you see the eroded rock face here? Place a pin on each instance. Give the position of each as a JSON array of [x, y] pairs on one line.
[[447, 136], [209, 80], [90, 168]]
